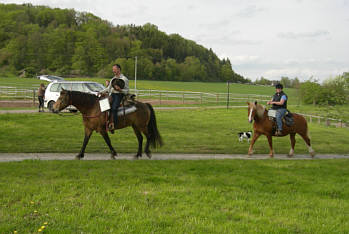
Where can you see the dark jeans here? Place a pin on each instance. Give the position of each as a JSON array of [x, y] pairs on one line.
[[117, 98], [41, 102]]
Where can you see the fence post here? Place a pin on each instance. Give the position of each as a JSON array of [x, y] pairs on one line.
[[319, 120], [160, 97], [310, 119], [33, 97], [183, 98], [201, 98], [327, 122]]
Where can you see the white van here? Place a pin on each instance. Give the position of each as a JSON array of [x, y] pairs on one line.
[[53, 91]]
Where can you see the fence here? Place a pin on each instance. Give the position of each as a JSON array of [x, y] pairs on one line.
[[166, 97], [14, 93], [185, 97], [326, 121]]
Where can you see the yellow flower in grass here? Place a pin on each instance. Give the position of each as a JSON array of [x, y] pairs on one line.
[[15, 232], [42, 227], [40, 230], [45, 223]]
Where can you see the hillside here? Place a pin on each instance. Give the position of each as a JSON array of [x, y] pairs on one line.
[[38, 39]]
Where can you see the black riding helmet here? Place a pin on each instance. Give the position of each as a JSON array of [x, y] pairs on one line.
[[279, 86]]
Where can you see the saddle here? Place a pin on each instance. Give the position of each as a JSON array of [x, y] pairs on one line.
[[287, 120], [127, 105]]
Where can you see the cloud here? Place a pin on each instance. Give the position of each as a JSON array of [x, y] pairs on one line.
[[304, 35], [249, 11]]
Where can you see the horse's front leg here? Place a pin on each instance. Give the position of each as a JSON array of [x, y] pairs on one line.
[[107, 140], [270, 141], [88, 133], [254, 138]]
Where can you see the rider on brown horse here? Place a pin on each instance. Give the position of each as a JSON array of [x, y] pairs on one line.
[[117, 89], [279, 102]]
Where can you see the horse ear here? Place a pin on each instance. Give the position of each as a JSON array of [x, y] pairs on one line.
[[255, 102], [248, 103]]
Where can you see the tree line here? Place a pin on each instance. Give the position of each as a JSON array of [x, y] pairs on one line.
[[42, 40]]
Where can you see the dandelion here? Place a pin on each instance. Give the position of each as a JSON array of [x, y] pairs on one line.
[[40, 230], [42, 227], [32, 202], [15, 232], [35, 211], [45, 223]]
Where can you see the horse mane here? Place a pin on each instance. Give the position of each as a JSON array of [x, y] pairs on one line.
[[82, 98], [260, 109]]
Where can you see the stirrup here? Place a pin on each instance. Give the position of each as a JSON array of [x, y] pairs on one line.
[[111, 126]]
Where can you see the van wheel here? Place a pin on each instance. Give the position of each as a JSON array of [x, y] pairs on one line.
[[50, 105]]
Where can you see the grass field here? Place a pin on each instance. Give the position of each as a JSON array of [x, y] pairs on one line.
[[183, 131], [209, 196]]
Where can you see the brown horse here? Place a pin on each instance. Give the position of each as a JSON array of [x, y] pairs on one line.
[[264, 126], [142, 120]]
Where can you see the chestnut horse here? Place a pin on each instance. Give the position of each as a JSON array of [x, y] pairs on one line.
[[142, 120], [264, 126]]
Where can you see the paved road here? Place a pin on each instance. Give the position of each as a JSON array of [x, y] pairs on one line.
[[6, 157]]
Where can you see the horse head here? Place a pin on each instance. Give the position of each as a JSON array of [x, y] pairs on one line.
[[62, 102], [255, 109]]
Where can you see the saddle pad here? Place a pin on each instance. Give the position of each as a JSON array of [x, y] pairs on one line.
[[104, 104], [128, 110], [272, 113]]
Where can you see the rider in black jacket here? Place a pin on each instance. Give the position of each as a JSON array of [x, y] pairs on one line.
[[279, 102]]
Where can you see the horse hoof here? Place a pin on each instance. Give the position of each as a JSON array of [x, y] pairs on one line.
[[271, 155], [78, 157], [135, 157], [148, 154]]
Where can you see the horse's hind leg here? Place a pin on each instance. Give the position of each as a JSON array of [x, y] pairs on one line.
[[270, 141], [107, 140], [307, 141], [140, 141], [293, 143], [88, 134]]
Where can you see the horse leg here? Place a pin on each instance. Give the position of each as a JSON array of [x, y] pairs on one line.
[[293, 143], [88, 133], [107, 140], [307, 141], [270, 141], [254, 138], [140, 141], [147, 150]]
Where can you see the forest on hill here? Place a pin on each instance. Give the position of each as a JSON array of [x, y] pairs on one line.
[[42, 40]]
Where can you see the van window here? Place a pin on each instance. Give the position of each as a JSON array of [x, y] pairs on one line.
[[55, 87], [78, 87], [94, 87], [66, 86]]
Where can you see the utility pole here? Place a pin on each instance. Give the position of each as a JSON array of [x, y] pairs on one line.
[[136, 73], [228, 94]]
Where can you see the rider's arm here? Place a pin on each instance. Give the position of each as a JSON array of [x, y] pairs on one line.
[[281, 102]]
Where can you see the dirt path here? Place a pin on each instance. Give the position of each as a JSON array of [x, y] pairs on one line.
[[7, 157]]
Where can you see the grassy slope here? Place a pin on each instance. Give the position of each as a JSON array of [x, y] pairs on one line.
[[213, 196], [184, 131]]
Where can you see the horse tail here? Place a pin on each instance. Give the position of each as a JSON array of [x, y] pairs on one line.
[[154, 134]]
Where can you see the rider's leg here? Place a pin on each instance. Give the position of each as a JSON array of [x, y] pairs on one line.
[[115, 105], [279, 114]]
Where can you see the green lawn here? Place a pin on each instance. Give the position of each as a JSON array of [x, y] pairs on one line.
[[207, 196], [183, 131]]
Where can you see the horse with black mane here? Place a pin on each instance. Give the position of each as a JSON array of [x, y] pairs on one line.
[[142, 120], [264, 126]]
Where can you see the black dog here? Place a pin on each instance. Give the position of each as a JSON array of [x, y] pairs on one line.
[[246, 135]]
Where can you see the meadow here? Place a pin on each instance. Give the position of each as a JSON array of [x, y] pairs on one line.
[[200, 130], [146, 196]]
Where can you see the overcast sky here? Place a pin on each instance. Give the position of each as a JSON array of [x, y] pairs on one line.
[[269, 38]]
